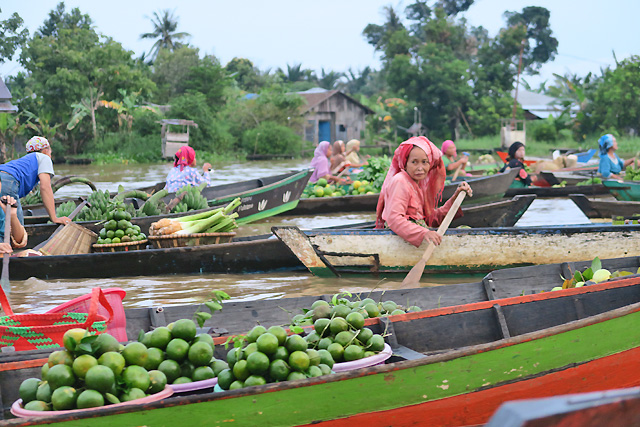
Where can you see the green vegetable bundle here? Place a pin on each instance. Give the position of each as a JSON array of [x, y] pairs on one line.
[[218, 220]]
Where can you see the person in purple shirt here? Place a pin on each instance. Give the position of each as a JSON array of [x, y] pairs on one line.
[[18, 177]]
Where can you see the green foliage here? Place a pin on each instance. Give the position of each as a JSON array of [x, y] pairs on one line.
[[170, 71], [542, 130], [375, 172], [164, 30], [271, 138], [12, 36], [125, 148]]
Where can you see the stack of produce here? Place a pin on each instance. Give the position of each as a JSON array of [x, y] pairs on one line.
[[100, 205], [322, 189], [271, 356], [360, 187], [219, 220], [591, 276], [192, 200], [92, 371], [118, 228]]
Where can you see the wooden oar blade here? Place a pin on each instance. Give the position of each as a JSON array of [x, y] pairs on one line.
[[412, 280], [4, 277]]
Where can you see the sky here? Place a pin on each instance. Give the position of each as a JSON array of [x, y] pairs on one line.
[[328, 33]]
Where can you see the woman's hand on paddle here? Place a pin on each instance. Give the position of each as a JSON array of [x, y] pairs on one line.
[[433, 237], [5, 248], [464, 186]]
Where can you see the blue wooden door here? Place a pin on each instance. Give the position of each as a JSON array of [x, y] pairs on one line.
[[324, 131]]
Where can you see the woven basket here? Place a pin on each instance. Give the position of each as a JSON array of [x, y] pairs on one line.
[[120, 247], [72, 239], [197, 239]]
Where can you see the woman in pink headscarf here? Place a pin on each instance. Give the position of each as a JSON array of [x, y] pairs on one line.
[[411, 192], [449, 155], [321, 164], [184, 172]]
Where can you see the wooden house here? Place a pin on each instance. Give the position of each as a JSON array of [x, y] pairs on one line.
[[331, 115], [5, 99], [172, 140]]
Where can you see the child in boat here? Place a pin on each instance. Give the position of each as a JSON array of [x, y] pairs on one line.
[[516, 160], [610, 164], [18, 233], [449, 155], [321, 165], [184, 172], [411, 192]]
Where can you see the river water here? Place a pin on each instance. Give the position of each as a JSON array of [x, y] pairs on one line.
[[35, 295]]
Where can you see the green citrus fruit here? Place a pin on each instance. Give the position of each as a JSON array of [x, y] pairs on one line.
[[369, 353], [318, 303], [44, 392], [133, 394], [267, 343], [205, 338], [326, 358], [337, 325], [82, 364], [232, 356], [135, 353], [203, 373], [44, 370], [136, 376], [279, 333], [183, 380], [225, 378], [63, 398], [324, 343], [344, 338], [372, 309], [396, 312], [413, 309], [257, 363], [337, 351], [389, 306], [314, 357], [113, 360], [100, 378], [155, 357], [60, 357], [254, 380], [111, 398], [353, 352], [90, 399], [321, 326], [160, 337], [60, 375], [326, 370], [254, 333], [146, 339], [251, 348], [218, 366], [157, 381], [375, 343], [279, 370], [356, 320], [299, 361], [295, 343], [184, 329], [200, 353], [36, 405], [186, 369], [312, 339], [340, 311], [241, 370], [314, 371], [295, 375], [105, 343], [281, 353], [177, 349], [236, 385], [321, 312], [72, 337], [171, 369], [364, 335], [28, 390]]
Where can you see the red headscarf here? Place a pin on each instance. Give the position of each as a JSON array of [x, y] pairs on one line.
[[432, 186], [184, 157]]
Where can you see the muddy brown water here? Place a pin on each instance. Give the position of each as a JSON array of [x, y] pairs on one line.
[[35, 295]]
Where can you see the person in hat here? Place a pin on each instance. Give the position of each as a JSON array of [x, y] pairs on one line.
[[516, 160], [184, 170], [610, 164], [18, 233], [18, 177]]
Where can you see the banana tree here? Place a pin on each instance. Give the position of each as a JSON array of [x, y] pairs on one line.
[[86, 107], [10, 126], [42, 125]]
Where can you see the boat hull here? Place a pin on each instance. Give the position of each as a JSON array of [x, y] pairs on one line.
[[626, 191]]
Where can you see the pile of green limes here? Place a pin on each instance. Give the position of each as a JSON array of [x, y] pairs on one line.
[[118, 229]]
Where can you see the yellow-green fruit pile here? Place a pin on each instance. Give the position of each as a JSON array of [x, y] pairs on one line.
[[118, 228], [341, 307], [92, 371], [268, 356], [361, 187], [180, 354], [323, 189]]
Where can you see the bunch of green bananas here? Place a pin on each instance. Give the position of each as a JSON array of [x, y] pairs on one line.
[[193, 199], [154, 205], [65, 208], [180, 208], [33, 198], [99, 202]]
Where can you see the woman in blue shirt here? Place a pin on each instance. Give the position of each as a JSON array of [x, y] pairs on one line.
[[610, 164]]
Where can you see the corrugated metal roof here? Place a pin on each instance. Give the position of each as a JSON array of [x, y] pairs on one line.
[[316, 96]]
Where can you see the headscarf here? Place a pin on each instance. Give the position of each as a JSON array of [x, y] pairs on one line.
[[37, 143], [605, 142], [513, 148], [446, 145], [184, 157], [320, 162], [337, 148], [432, 186], [352, 152]]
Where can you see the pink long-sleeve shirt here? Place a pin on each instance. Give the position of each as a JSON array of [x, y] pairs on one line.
[[405, 201]]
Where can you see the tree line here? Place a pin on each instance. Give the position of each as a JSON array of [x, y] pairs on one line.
[[87, 94]]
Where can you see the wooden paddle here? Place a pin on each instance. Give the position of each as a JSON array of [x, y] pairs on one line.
[[413, 278], [457, 171], [4, 278]]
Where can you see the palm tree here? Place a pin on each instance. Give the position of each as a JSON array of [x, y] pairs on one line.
[[164, 30]]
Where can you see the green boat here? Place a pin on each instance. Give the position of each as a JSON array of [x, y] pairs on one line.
[[626, 191]]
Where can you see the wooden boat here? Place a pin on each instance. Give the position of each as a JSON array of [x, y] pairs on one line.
[[551, 178], [452, 366], [329, 252], [626, 191], [260, 198], [601, 208], [485, 189], [549, 192], [620, 408]]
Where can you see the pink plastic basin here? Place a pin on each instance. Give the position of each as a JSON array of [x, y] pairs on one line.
[[377, 359], [117, 327], [19, 411], [194, 386]]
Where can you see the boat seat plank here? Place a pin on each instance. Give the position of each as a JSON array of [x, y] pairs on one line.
[[406, 353], [501, 320]]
